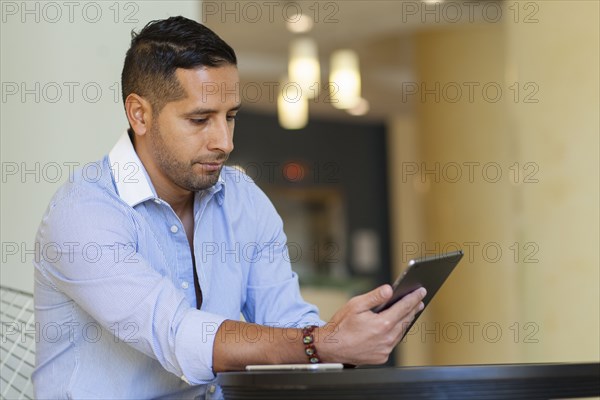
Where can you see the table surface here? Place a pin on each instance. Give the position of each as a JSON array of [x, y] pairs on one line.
[[497, 381]]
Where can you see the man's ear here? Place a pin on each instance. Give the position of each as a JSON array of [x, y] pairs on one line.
[[139, 113]]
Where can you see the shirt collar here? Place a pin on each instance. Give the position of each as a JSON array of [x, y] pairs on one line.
[[217, 189], [129, 174], [131, 179]]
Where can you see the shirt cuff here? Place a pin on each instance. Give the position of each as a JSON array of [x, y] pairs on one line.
[[194, 345]]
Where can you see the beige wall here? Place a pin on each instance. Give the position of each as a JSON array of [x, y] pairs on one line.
[[561, 133], [538, 299]]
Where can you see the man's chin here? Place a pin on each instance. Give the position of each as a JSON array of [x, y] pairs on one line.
[[206, 183], [201, 180]]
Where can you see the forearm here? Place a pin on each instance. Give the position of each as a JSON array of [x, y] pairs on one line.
[[238, 344]]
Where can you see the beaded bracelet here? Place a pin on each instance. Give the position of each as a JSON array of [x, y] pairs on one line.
[[309, 344]]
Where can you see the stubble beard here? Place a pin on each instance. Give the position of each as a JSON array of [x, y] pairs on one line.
[[181, 173]]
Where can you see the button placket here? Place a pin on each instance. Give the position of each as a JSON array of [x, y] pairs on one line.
[[174, 229]]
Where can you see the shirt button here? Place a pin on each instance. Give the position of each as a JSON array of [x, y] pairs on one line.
[[157, 201], [184, 285], [174, 228]]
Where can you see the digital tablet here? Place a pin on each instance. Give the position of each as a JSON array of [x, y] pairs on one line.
[[428, 272]]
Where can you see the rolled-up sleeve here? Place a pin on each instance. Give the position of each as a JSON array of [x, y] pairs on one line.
[[89, 251]]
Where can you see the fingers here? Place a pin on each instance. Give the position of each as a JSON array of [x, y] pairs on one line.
[[401, 314], [380, 331], [406, 322], [404, 306], [372, 299]]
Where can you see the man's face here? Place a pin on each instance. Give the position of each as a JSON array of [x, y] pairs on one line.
[[191, 138]]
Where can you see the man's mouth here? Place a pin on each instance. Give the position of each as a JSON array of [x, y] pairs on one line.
[[211, 166]]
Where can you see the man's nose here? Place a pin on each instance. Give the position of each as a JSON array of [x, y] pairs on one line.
[[222, 137]]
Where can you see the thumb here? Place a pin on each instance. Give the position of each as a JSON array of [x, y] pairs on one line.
[[374, 298]]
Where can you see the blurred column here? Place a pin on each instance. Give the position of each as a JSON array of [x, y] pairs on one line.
[[407, 222], [468, 199]]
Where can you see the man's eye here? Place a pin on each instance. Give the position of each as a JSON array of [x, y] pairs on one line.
[[231, 117], [198, 121]]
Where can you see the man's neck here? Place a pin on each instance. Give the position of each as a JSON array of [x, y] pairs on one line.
[[181, 200], [181, 203]]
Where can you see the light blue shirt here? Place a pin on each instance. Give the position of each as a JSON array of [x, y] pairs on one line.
[[114, 287]]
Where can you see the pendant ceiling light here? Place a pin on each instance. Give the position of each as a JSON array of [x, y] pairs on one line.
[[304, 79], [344, 79], [292, 106], [303, 67]]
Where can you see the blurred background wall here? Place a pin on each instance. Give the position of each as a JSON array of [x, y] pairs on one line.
[[482, 133], [530, 290]]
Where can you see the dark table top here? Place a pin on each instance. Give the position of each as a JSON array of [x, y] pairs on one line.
[[497, 381]]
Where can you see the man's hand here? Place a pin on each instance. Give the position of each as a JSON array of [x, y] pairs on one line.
[[357, 335]]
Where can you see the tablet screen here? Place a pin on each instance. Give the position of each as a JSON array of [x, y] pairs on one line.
[[428, 272]]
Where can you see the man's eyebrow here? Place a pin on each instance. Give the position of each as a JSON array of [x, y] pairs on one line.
[[199, 111]]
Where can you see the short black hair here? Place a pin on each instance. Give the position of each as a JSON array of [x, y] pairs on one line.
[[160, 48]]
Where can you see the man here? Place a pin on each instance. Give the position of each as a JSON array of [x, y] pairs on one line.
[[137, 292]]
